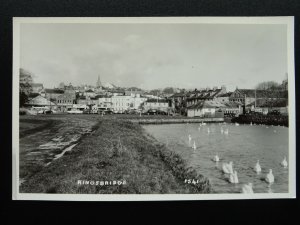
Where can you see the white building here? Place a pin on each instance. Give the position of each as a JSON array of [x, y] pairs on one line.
[[120, 103], [105, 102], [158, 104]]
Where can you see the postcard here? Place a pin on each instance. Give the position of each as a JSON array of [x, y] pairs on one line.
[[153, 108]]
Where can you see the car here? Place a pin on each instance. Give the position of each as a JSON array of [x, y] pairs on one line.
[[74, 111], [86, 111], [108, 112], [48, 111], [40, 111], [131, 111], [94, 111]]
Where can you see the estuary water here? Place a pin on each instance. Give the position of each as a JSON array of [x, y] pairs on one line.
[[243, 145]]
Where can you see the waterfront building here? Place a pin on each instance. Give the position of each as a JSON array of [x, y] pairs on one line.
[[120, 103], [86, 100], [105, 101], [65, 101], [40, 101], [53, 93], [80, 106], [223, 97], [205, 94], [178, 100], [206, 108], [264, 106], [157, 104], [248, 96], [232, 108]]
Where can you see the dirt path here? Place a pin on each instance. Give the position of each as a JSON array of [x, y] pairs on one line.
[[44, 138]]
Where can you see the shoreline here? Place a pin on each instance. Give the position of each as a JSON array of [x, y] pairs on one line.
[[117, 150], [176, 120]]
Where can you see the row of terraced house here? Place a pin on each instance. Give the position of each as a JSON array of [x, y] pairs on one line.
[[217, 102]]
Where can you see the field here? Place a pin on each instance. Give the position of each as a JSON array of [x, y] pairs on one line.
[[57, 151]]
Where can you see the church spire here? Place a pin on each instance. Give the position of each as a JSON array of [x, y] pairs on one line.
[[98, 84]]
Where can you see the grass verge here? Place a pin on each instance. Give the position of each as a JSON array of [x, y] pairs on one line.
[[117, 150]]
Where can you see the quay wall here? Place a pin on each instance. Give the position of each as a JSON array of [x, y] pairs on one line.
[[177, 120]]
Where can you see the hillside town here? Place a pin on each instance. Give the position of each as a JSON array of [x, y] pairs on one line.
[[110, 99]]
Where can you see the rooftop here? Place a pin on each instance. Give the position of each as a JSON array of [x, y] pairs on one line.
[[54, 91], [207, 104], [157, 100]]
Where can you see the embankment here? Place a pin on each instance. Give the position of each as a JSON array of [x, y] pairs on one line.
[[176, 120], [117, 151]]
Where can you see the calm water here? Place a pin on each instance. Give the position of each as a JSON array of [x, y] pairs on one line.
[[243, 145]]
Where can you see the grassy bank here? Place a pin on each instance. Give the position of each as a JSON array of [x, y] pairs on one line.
[[117, 150]]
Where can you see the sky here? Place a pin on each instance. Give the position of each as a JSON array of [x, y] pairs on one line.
[[151, 56]]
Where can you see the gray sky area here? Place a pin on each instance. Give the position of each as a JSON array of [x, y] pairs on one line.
[[155, 55]]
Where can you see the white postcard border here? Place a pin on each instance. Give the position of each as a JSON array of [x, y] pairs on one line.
[[17, 21]]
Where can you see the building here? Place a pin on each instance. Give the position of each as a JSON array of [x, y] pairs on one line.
[[70, 89], [205, 94], [157, 104], [89, 93], [232, 109], [133, 91], [223, 97], [86, 100], [117, 92], [206, 108], [81, 107], [266, 106], [53, 93], [247, 96], [65, 102], [120, 103], [40, 101], [105, 101], [178, 100]]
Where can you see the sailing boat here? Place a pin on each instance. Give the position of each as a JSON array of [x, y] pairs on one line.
[[194, 146]]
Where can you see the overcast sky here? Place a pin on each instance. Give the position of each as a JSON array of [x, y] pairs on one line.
[[155, 55]]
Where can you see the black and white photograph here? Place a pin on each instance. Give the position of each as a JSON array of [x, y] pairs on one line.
[[174, 108]]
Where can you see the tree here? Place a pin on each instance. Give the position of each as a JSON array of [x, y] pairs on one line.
[[268, 85], [23, 99], [154, 92], [61, 85], [25, 86], [168, 90]]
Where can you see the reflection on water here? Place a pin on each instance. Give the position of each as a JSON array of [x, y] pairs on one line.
[[243, 145]]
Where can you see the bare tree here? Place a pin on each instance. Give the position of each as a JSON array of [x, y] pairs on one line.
[[268, 85]]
